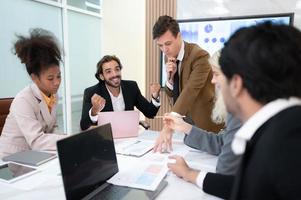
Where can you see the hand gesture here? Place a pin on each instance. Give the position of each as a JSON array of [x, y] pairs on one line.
[[181, 169], [155, 89], [164, 141], [171, 68], [98, 103], [176, 122]]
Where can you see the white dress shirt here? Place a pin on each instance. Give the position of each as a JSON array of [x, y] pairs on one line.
[[118, 104], [246, 132], [180, 59]]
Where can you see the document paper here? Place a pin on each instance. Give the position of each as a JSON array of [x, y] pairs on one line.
[[145, 175], [134, 147]]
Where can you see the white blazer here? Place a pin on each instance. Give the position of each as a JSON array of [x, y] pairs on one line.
[[29, 124]]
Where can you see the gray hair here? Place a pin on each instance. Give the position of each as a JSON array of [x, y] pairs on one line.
[[214, 59], [219, 112]]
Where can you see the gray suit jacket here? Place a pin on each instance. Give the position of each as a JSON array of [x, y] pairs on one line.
[[29, 124], [217, 144]]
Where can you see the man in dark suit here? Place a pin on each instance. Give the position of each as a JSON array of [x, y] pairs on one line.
[[114, 94], [262, 87], [189, 74]]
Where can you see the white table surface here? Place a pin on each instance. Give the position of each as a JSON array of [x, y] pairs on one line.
[[47, 184]]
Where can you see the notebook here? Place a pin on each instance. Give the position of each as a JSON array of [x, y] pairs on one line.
[[124, 124], [137, 147], [30, 157], [88, 160]]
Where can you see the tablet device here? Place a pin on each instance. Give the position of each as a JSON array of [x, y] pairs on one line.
[[30, 157], [10, 172]]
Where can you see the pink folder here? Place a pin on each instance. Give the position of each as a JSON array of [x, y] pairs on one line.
[[124, 123]]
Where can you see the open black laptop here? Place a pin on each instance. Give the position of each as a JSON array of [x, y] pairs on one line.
[[88, 160]]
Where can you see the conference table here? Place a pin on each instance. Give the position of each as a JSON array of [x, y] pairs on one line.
[[48, 184]]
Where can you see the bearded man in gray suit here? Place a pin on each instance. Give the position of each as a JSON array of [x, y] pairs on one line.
[[216, 144]]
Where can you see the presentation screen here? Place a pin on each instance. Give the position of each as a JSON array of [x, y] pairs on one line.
[[212, 33]]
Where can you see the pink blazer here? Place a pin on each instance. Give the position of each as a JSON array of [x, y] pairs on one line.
[[29, 124]]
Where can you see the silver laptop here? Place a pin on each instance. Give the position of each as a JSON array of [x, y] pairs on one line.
[[88, 160]]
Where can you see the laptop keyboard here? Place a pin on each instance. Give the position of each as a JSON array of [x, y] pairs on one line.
[[112, 192]]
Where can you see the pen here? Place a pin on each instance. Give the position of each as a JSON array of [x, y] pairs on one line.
[[160, 116]]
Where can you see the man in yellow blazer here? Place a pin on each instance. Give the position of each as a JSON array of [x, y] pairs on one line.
[[188, 72]]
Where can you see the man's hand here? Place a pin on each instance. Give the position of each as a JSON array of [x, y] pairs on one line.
[[171, 69], [155, 90], [182, 170], [176, 123], [98, 103], [164, 141]]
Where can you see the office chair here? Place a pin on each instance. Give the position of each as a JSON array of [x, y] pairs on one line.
[[4, 110]]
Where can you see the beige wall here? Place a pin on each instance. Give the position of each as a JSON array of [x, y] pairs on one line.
[[123, 34], [154, 9]]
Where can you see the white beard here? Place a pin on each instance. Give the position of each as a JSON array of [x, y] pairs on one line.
[[219, 111]]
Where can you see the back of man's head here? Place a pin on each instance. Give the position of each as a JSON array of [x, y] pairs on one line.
[[163, 24], [268, 59]]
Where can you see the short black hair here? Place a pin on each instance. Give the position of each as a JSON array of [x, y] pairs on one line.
[[105, 59], [163, 24], [268, 58], [38, 51]]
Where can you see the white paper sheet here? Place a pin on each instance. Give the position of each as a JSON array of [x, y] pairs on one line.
[[134, 147], [145, 174]]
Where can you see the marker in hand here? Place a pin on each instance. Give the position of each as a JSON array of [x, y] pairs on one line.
[[178, 115]]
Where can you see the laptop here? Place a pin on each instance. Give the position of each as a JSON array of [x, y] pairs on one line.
[[124, 124], [88, 160]]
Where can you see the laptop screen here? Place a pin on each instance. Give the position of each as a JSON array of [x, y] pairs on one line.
[[87, 160], [124, 123]]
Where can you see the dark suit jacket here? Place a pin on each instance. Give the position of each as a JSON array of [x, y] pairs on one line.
[[132, 97], [271, 165], [196, 97]]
